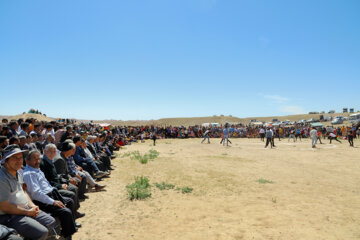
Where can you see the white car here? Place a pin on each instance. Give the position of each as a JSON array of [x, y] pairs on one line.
[[338, 120], [311, 120], [301, 121]]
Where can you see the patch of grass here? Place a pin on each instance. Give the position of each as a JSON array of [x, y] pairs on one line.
[[186, 190], [264, 181], [224, 154], [153, 154], [143, 159], [127, 154], [140, 189], [164, 186], [273, 200]]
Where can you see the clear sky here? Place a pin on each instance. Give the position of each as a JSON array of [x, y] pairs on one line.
[[150, 59]]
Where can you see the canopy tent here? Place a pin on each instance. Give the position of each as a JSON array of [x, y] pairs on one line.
[[317, 124], [257, 123], [210, 124], [104, 124], [268, 124]]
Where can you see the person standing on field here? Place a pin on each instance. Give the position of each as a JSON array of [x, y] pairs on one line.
[[314, 137]]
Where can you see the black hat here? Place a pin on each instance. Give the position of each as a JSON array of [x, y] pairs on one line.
[[2, 139]]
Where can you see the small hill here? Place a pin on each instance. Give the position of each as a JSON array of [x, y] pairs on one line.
[[25, 116], [191, 121], [216, 119]]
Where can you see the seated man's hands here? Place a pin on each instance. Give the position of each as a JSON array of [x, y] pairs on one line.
[[33, 212], [58, 204], [73, 181]]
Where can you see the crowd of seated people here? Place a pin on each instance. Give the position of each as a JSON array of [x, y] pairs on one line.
[[47, 169]]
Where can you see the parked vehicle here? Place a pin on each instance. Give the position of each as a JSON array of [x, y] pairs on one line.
[[286, 122], [302, 121], [327, 118], [354, 118], [312, 120], [338, 120]]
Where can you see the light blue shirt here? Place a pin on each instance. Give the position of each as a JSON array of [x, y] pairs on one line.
[[37, 185]]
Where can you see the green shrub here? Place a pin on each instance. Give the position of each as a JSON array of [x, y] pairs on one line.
[[164, 186], [186, 190], [140, 189]]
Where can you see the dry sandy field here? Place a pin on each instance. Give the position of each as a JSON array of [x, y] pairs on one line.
[[239, 192]]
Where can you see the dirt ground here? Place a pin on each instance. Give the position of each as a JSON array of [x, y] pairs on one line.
[[313, 193]]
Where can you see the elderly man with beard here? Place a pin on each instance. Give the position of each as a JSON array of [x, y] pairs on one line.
[[47, 197], [17, 210]]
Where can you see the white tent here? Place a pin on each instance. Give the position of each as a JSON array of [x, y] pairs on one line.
[[257, 123]]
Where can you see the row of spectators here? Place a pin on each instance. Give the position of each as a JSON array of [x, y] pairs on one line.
[[129, 134], [46, 171], [235, 131]]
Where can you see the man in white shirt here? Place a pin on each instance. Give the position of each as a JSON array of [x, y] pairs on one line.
[[17, 210], [47, 197], [313, 135], [262, 134], [332, 136]]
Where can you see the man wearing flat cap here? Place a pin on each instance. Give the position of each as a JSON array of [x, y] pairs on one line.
[[17, 210]]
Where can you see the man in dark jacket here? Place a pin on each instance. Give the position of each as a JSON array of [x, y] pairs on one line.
[[62, 168], [65, 187]]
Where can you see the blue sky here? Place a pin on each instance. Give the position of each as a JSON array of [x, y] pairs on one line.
[[150, 59]]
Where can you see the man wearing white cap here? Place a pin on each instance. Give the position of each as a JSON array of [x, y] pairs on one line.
[[17, 211]]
